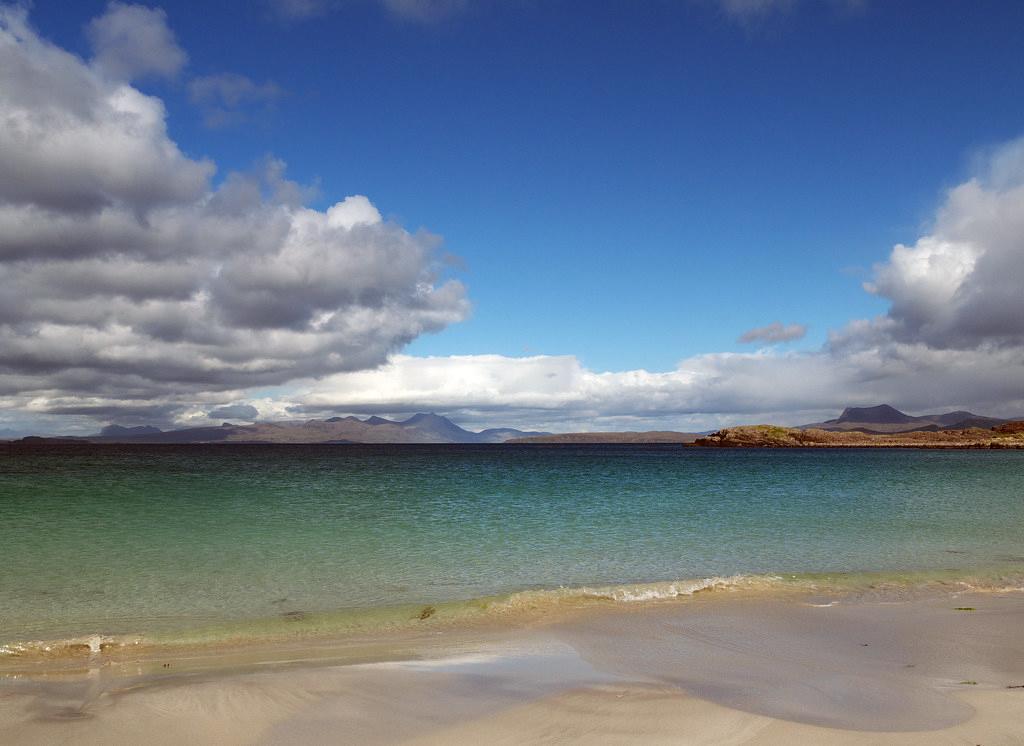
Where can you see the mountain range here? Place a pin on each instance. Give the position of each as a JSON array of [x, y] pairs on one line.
[[420, 428], [887, 419], [433, 428]]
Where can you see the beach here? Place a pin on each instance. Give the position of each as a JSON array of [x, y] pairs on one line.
[[488, 594], [720, 667], [510, 372]]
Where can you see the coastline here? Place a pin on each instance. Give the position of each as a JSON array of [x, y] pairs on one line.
[[235, 599], [736, 667], [353, 635], [1008, 436]]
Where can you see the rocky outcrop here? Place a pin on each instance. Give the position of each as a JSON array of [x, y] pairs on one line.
[[773, 436], [1010, 428]]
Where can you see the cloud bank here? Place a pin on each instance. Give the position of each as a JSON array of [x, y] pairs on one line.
[[952, 338], [132, 280]]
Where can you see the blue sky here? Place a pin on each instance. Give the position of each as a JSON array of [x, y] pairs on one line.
[[630, 184]]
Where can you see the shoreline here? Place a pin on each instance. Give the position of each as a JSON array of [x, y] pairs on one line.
[[1008, 436], [833, 668], [375, 627]]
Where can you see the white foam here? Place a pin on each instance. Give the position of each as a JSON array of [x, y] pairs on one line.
[[663, 591]]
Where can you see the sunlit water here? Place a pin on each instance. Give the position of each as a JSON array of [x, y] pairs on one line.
[[165, 539]]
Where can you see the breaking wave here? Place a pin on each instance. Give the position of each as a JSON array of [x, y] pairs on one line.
[[520, 606]]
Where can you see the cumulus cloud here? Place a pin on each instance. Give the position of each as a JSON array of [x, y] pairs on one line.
[[246, 412], [75, 141], [774, 332], [130, 279], [225, 97], [960, 286], [133, 41]]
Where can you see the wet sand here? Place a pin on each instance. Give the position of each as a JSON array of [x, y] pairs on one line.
[[720, 668]]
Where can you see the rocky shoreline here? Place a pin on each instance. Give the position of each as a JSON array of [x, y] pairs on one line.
[[1008, 435]]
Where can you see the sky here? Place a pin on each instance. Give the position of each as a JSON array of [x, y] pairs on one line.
[[553, 215]]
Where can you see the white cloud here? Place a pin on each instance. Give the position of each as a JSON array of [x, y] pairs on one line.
[[131, 281], [356, 210], [73, 140], [962, 285], [559, 393], [133, 41]]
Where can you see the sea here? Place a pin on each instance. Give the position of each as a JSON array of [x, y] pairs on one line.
[[106, 545]]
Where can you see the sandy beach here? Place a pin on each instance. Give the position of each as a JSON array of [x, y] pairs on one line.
[[718, 668], [486, 372]]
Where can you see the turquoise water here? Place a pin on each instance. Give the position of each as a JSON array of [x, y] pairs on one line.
[[165, 539]]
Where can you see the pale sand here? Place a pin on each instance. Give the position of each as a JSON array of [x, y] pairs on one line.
[[621, 715], [722, 669]]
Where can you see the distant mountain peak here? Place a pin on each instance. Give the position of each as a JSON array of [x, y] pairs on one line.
[[426, 417], [423, 427], [887, 419], [439, 427], [883, 414]]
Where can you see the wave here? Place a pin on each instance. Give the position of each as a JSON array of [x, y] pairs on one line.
[[521, 606], [642, 592]]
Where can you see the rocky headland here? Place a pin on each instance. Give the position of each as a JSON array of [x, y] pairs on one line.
[[1005, 435]]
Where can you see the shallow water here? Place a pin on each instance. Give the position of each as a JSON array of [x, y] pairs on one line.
[[162, 541]]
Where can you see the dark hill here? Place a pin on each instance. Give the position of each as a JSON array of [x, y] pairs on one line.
[[438, 429], [887, 419], [883, 414]]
